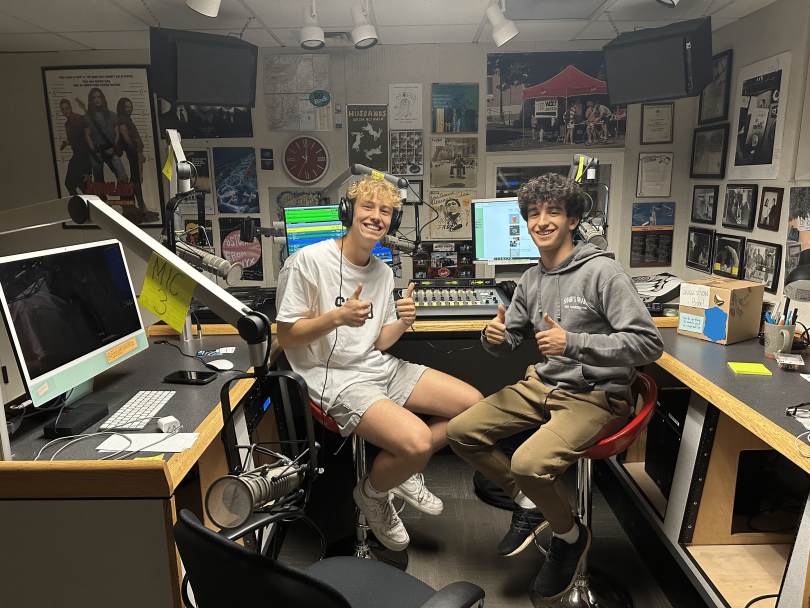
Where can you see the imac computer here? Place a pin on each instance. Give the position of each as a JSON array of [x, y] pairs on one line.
[[501, 234], [70, 313], [308, 225]]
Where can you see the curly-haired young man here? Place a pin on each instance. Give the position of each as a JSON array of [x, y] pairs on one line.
[[338, 345], [591, 327]]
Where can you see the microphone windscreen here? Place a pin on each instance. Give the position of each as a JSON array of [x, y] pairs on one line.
[[229, 502]]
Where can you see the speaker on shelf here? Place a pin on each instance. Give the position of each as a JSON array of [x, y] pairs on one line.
[[660, 63]]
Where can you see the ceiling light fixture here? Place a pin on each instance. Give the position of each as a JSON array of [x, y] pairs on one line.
[[311, 34], [209, 8], [503, 29], [668, 3], [364, 35]]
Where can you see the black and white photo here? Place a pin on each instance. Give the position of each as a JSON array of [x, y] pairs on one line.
[[453, 162], [709, 146], [704, 204], [740, 207], [714, 98], [760, 120], [699, 249], [407, 153], [762, 263], [770, 208], [729, 255]]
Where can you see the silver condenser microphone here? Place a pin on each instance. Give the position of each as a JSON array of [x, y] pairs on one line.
[[231, 499], [393, 242], [201, 259]]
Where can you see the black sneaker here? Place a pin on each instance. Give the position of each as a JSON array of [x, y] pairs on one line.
[[526, 523], [559, 571]]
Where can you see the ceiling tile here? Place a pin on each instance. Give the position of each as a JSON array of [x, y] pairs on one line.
[[649, 10], [36, 43], [741, 8], [258, 36], [175, 14], [67, 17], [718, 23], [602, 30], [331, 13], [111, 40], [701, 8], [551, 9], [536, 31], [12, 25], [428, 12], [430, 34]]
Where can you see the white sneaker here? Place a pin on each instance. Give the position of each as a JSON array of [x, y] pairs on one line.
[[413, 490], [382, 518]]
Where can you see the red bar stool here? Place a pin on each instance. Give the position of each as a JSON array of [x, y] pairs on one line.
[[595, 588], [359, 545]]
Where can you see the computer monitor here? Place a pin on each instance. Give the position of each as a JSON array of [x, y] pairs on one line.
[[309, 225], [70, 313], [501, 234]]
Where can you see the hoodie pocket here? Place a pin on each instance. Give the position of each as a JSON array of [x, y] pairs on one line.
[[565, 371]]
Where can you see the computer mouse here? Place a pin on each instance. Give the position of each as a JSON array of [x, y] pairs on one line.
[[221, 364]]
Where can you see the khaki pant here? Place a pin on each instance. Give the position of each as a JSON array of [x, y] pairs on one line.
[[567, 425]]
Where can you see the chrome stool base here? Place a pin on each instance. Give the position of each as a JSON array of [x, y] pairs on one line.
[[597, 589], [372, 550]]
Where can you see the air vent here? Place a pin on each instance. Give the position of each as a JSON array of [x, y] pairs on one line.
[[337, 39]]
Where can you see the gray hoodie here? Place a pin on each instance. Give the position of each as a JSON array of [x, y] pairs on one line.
[[607, 327]]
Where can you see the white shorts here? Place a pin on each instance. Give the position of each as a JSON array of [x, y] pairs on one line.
[[350, 405]]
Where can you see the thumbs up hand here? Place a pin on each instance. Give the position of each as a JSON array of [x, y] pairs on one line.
[[552, 341], [355, 311], [405, 307], [496, 329]]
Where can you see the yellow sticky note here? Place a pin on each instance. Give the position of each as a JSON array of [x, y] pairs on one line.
[[167, 168], [579, 171], [166, 292], [377, 175], [750, 368], [157, 457]]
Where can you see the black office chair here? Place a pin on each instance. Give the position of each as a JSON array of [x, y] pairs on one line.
[[223, 573]]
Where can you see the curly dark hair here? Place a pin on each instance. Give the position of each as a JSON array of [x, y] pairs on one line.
[[552, 187]]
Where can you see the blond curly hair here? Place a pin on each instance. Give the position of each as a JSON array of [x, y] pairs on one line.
[[369, 187]]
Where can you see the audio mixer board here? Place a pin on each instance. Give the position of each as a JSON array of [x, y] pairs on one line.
[[448, 298]]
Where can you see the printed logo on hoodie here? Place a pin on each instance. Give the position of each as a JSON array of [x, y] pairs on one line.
[[576, 302]]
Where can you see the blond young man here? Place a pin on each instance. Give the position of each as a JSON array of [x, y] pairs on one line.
[[336, 318]]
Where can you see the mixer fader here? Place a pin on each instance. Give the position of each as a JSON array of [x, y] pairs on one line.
[[455, 298]]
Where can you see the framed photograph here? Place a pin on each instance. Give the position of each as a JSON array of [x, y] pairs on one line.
[[656, 123], [740, 206], [654, 174], [714, 98], [453, 162], [729, 255], [415, 192], [114, 104], [762, 262], [770, 208], [709, 147], [704, 204], [699, 249]]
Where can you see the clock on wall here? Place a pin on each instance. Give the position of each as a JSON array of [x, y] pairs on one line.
[[306, 159]]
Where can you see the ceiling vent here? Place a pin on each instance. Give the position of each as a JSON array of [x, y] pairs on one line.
[[337, 39]]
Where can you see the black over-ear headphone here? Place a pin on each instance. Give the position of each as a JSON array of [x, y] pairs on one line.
[[346, 215]]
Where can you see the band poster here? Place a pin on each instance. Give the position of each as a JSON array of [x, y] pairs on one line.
[[367, 131], [651, 234], [235, 250], [102, 131], [455, 215], [405, 105], [202, 166]]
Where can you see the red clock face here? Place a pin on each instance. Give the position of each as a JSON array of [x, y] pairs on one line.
[[306, 160]]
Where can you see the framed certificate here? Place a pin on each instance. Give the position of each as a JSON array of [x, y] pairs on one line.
[[654, 174], [656, 123]]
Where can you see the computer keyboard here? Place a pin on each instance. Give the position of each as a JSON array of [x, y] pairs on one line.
[[135, 414]]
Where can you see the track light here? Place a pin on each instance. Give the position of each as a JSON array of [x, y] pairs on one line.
[[668, 3], [364, 35], [503, 29], [209, 8], [311, 34]]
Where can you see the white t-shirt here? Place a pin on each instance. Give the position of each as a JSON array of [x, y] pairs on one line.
[[307, 287]]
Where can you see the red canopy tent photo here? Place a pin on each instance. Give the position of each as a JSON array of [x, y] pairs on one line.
[[568, 83]]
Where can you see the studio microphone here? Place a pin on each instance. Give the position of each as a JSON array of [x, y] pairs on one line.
[[231, 499], [399, 182], [202, 260], [392, 242], [591, 234]]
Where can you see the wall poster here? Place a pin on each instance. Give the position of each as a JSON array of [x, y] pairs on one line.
[[454, 108], [651, 234], [202, 165], [289, 80], [758, 146], [235, 176], [235, 250], [367, 131], [193, 121], [407, 153], [453, 162], [798, 236], [454, 219], [405, 105], [117, 160]]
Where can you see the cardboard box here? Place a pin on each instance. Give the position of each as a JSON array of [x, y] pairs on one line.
[[720, 310]]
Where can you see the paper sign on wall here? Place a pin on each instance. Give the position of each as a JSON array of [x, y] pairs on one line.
[[166, 292], [687, 322], [695, 296]]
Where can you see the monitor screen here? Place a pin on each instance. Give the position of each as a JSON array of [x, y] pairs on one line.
[[308, 225], [71, 313], [501, 234]]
